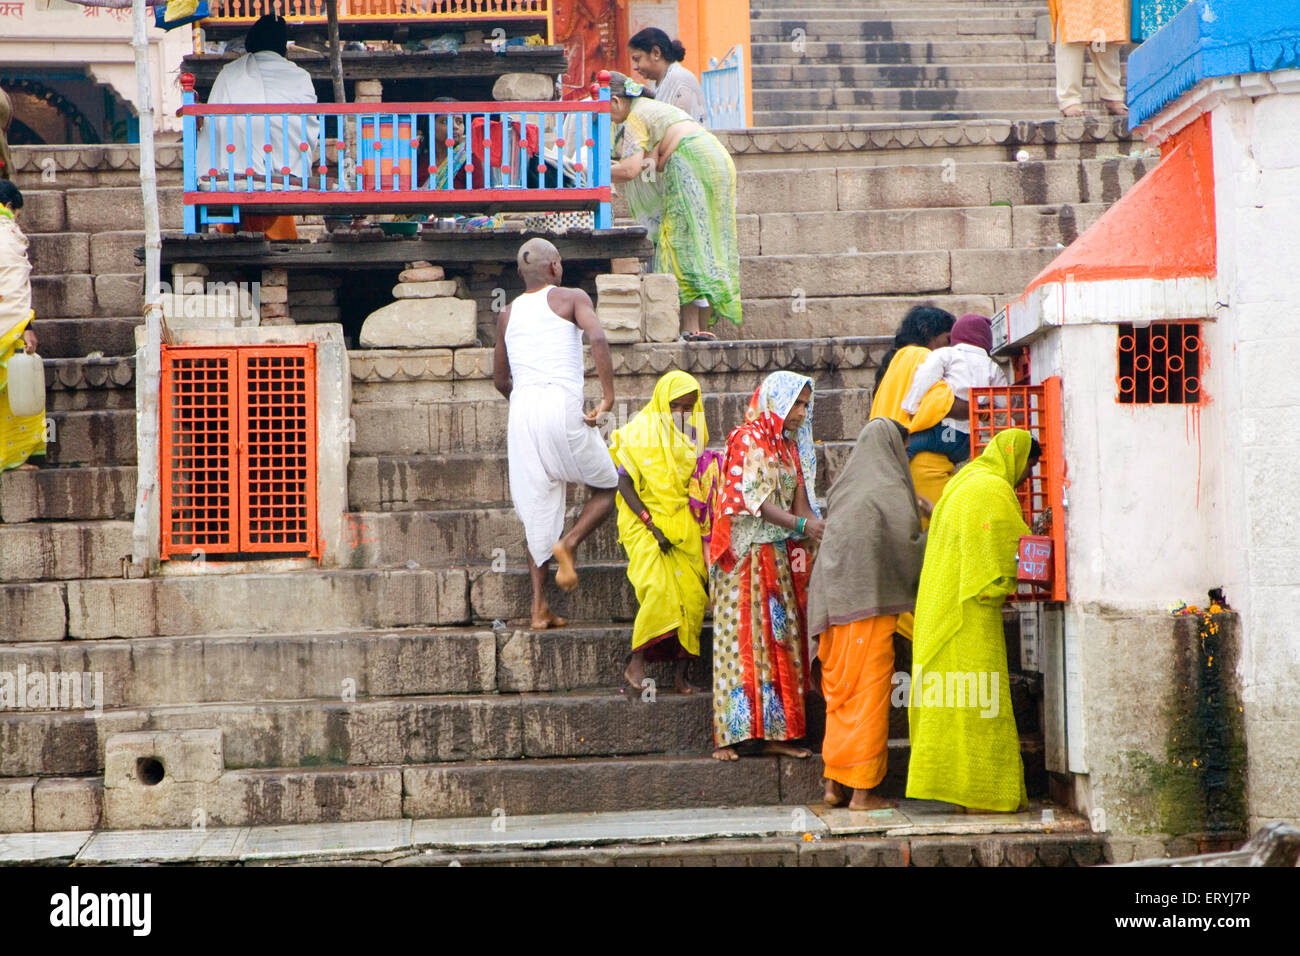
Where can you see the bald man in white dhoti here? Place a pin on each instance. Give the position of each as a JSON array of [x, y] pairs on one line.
[[550, 441]]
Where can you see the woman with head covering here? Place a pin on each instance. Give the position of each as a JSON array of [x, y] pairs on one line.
[[681, 185], [657, 455], [866, 574], [21, 436], [659, 60], [965, 748], [764, 516]]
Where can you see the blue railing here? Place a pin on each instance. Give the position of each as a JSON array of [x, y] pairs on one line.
[[342, 159], [724, 90]]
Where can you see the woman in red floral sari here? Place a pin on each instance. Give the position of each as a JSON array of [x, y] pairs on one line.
[[761, 560]]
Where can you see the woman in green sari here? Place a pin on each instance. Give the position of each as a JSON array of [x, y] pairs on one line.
[[681, 185], [965, 746]]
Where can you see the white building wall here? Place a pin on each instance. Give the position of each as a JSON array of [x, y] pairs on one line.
[[1257, 175]]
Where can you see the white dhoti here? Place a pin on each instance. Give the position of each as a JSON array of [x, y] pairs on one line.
[[549, 445]]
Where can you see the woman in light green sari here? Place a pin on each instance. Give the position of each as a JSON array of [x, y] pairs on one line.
[[681, 184]]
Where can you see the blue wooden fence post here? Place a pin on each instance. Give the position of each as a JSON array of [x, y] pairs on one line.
[[601, 159], [189, 152]]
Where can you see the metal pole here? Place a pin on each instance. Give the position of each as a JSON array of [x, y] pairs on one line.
[[148, 358], [336, 50]]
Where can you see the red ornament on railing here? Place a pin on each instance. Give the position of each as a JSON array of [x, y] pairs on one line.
[[249, 171], [322, 169], [302, 147], [284, 170], [212, 172], [230, 147], [187, 82], [267, 147]]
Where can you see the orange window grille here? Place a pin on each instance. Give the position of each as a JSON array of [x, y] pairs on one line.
[[1037, 409], [198, 479], [1159, 364], [277, 466], [238, 451]]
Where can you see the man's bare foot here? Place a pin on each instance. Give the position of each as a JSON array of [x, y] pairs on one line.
[[834, 795], [566, 575], [635, 671], [866, 800], [725, 753], [546, 619], [27, 466], [785, 750]]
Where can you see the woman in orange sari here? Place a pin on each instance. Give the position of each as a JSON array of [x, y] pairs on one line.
[[866, 575]]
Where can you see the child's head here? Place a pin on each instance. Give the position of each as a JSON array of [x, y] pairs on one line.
[[972, 329]]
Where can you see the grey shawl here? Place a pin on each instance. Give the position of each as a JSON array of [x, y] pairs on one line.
[[869, 562]]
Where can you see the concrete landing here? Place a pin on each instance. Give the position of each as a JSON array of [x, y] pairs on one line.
[[776, 834]]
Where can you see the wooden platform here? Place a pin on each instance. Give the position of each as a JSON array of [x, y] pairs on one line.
[[365, 250], [467, 75]]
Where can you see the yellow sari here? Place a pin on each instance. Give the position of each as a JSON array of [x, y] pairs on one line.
[[965, 746], [20, 437], [671, 588]]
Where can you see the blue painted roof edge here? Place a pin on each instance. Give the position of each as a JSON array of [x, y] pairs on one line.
[[1211, 38]]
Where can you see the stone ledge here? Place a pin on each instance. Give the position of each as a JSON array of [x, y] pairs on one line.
[[115, 158], [418, 365], [833, 139], [70, 374]]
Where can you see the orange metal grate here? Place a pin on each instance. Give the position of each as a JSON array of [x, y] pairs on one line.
[[198, 443], [278, 465], [238, 455], [1037, 409], [1159, 364]]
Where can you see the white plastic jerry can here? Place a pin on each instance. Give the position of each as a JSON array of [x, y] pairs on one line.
[[26, 384]]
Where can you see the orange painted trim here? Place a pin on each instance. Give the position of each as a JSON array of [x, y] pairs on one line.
[[1162, 228]]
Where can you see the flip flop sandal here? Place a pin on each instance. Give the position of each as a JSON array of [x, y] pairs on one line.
[[699, 337]]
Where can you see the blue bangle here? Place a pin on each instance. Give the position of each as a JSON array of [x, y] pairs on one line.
[[799, 525]]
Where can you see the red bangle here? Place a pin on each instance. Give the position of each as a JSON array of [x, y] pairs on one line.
[[645, 517]]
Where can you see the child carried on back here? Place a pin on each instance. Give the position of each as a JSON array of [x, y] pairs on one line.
[[963, 365]]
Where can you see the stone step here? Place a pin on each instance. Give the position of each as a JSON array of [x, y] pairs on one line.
[[101, 436], [59, 253], [604, 594], [779, 118], [929, 142], [76, 295], [955, 184], [796, 277], [374, 732], [769, 8], [366, 663], [930, 100], [843, 315], [61, 551], [895, 11], [68, 494], [965, 50], [455, 536], [954, 75], [203, 599], [844, 29], [78, 337], [990, 227], [402, 428]]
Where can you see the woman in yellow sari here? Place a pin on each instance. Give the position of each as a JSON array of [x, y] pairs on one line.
[[657, 454], [20, 437], [965, 747]]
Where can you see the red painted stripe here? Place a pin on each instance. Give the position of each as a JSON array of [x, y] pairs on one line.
[[384, 109], [432, 196]]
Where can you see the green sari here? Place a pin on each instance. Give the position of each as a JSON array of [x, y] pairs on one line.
[[965, 746], [689, 208]]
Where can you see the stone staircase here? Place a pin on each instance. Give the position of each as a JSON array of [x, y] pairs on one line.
[[403, 684], [819, 62]]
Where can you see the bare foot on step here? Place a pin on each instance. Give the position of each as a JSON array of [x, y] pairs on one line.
[[784, 749], [834, 795], [566, 575], [866, 800], [635, 671], [725, 753], [546, 619]]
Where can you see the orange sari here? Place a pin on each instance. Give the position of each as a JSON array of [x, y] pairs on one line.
[[857, 673]]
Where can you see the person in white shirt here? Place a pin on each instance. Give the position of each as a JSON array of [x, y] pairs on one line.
[[659, 60], [538, 367], [963, 364]]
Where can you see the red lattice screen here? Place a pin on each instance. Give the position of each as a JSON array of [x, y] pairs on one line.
[[238, 455], [1037, 409], [1159, 364]]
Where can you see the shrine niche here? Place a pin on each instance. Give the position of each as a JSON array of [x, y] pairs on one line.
[[593, 34]]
